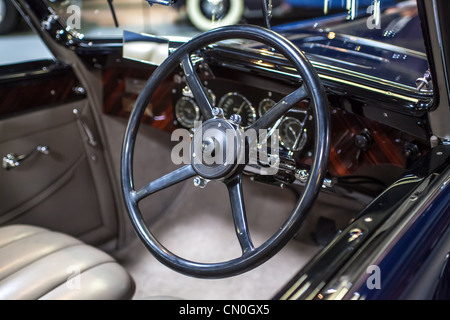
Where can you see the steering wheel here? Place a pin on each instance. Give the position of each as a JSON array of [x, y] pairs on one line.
[[229, 174]]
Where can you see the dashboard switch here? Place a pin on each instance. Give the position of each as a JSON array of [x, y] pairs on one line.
[[363, 140]]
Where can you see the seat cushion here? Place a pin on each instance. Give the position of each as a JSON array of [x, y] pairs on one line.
[[36, 263]]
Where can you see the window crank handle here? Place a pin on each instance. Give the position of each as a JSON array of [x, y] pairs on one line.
[[11, 160]]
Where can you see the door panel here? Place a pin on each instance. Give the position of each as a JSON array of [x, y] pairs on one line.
[[69, 188]]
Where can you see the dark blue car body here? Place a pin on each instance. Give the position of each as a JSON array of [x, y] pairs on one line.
[[405, 231]]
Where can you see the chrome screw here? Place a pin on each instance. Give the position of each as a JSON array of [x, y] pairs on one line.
[[236, 119], [200, 182], [79, 90]]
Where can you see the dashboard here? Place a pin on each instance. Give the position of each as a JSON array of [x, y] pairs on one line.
[[365, 145], [250, 103]]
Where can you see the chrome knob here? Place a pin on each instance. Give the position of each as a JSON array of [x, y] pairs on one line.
[[236, 119], [217, 112]]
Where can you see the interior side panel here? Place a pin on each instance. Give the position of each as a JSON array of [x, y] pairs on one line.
[[68, 189]]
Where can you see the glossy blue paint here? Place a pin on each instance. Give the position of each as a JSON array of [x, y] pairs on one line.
[[394, 51], [402, 262]]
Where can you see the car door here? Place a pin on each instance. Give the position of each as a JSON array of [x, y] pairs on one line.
[[54, 171]]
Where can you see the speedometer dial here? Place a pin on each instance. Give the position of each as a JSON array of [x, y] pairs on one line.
[[236, 103], [265, 106], [187, 112]]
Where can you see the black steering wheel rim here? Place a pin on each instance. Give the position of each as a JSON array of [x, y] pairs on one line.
[[277, 241]]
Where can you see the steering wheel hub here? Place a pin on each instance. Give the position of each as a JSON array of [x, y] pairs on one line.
[[217, 149]]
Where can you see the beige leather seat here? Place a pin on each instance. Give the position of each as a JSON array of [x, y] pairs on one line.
[[36, 263]]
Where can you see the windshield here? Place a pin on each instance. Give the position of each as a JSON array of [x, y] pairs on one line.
[[381, 39], [387, 47], [397, 25], [94, 18]]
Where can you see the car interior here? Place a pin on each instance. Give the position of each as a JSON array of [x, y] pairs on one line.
[[90, 185]]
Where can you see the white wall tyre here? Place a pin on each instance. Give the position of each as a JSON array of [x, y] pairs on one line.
[[208, 14]]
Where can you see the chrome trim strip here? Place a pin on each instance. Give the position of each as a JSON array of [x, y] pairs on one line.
[[294, 287], [324, 66], [387, 93], [350, 52], [343, 62], [378, 44], [334, 79], [363, 76], [300, 291]]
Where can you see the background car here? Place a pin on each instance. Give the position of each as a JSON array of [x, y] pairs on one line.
[[207, 14], [8, 16]]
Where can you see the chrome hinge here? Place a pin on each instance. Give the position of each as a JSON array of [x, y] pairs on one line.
[[89, 134]]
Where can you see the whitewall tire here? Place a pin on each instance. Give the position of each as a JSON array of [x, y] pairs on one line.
[[200, 14]]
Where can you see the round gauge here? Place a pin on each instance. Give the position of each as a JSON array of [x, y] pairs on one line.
[[292, 135], [187, 112], [235, 103], [265, 105]]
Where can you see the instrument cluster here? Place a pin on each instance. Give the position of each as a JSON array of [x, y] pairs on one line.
[[248, 102]]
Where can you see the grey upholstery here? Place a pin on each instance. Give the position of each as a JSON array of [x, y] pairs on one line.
[[36, 263]]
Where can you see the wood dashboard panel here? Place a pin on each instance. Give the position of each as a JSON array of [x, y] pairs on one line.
[[386, 148], [122, 86], [37, 90]]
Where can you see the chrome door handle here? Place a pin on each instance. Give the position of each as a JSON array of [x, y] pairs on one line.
[[90, 135], [11, 160]]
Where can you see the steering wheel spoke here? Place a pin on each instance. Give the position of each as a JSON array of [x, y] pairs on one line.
[[196, 87], [235, 192], [279, 109], [166, 181]]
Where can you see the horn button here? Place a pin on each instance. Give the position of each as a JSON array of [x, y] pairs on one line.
[[217, 149]]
